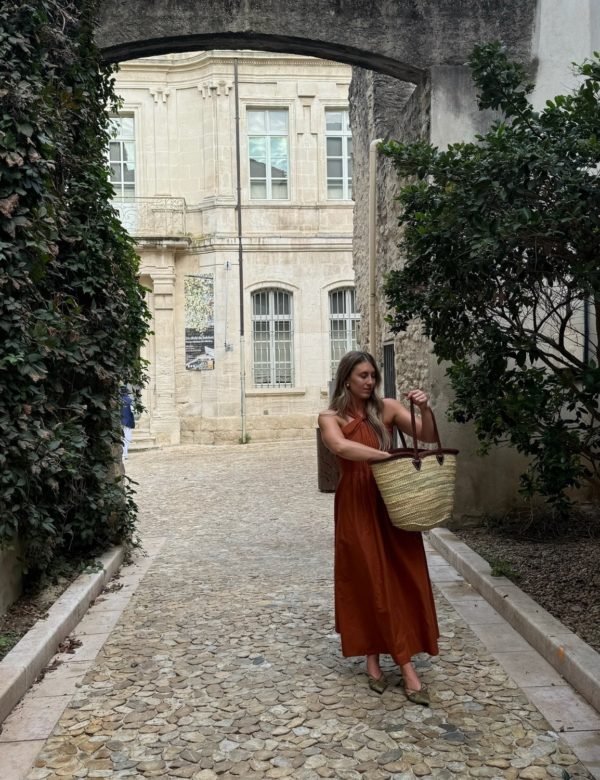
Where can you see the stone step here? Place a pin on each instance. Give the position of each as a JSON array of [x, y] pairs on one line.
[[142, 441]]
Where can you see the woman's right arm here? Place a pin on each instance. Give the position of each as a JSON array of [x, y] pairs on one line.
[[336, 442]]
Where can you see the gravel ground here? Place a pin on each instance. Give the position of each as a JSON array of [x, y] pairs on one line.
[[225, 665], [562, 574]]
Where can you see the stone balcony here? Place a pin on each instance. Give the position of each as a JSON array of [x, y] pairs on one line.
[[152, 217]]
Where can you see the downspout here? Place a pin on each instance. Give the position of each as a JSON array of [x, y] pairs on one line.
[[372, 241], [240, 253], [586, 331]]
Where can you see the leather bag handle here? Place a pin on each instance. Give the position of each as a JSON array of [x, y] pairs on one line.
[[415, 444], [413, 426], [402, 439]]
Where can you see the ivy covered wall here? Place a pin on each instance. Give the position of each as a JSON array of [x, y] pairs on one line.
[[72, 313]]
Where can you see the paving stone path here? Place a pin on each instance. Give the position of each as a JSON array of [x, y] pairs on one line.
[[225, 664]]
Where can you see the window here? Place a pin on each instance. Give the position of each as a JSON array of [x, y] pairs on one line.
[[268, 153], [343, 322], [272, 337], [339, 154], [121, 154]]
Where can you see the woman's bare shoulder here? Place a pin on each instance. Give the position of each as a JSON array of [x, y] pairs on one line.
[[330, 414], [390, 404], [393, 404]]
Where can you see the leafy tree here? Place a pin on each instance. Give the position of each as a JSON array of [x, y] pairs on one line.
[[72, 314], [501, 239]]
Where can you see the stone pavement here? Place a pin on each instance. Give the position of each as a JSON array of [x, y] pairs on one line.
[[224, 663]]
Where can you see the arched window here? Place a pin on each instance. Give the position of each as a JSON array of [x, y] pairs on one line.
[[343, 323], [272, 338]]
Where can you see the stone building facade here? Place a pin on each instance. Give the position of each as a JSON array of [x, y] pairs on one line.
[[175, 173]]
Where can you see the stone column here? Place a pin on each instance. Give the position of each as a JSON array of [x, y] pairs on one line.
[[162, 167], [455, 116], [380, 107]]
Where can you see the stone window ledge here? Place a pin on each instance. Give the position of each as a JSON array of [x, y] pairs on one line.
[[268, 391]]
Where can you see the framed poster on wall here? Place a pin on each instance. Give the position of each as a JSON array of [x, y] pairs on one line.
[[199, 302]]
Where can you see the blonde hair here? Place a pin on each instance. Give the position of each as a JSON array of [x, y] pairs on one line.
[[342, 401]]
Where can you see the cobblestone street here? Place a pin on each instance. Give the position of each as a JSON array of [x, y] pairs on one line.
[[224, 663]]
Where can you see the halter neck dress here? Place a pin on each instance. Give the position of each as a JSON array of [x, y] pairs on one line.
[[383, 597]]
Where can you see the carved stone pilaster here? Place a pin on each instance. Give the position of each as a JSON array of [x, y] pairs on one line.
[[165, 423]]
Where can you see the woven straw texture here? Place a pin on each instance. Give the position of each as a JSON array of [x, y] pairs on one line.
[[417, 500]]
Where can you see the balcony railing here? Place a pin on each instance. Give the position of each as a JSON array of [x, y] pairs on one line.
[[152, 217]]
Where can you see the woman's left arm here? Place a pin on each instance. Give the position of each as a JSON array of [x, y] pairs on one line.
[[401, 415]]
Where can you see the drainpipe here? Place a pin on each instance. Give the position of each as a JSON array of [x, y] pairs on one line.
[[240, 253], [372, 241], [586, 331]]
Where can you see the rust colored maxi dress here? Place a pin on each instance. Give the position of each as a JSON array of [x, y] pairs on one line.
[[383, 598]]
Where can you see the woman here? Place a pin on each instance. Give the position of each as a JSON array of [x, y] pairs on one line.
[[383, 598]]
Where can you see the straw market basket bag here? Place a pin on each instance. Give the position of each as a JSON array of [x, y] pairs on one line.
[[417, 485]]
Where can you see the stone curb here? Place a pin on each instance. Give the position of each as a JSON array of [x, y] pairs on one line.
[[573, 658], [20, 668]]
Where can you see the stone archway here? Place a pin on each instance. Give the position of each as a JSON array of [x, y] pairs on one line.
[[425, 42], [400, 38]]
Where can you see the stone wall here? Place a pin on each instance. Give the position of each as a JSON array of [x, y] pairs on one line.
[[382, 107]]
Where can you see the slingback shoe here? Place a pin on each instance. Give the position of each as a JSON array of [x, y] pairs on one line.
[[418, 697], [377, 684]]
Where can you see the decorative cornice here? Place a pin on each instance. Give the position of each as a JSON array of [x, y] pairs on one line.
[[166, 242], [215, 58]]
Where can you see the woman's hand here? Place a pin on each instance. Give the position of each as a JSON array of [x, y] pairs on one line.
[[399, 415], [419, 398]]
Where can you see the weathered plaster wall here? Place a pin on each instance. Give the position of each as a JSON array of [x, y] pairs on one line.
[[565, 31]]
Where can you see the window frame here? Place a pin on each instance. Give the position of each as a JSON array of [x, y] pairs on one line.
[[345, 135], [349, 316], [119, 186], [268, 179], [272, 318]]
